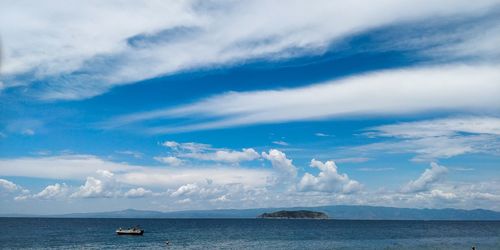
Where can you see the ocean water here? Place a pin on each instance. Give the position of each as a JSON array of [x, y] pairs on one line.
[[43, 233]]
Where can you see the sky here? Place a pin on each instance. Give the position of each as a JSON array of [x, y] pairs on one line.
[[183, 105]]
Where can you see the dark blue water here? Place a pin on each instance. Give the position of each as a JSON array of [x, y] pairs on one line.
[[247, 234]]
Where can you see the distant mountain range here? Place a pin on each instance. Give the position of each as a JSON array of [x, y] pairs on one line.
[[334, 212]]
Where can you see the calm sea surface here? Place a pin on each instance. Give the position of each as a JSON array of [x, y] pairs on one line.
[[39, 233]]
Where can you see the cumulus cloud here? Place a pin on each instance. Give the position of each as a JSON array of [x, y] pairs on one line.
[[56, 40], [25, 194], [210, 193], [438, 88], [189, 188], [429, 177], [171, 144], [328, 179], [439, 194], [53, 191], [281, 163], [8, 186], [169, 160], [185, 190], [138, 192], [102, 186]]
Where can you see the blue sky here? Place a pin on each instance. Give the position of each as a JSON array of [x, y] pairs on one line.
[[239, 104]]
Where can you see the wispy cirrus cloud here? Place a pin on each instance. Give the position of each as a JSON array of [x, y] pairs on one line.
[[281, 143], [78, 58], [204, 152], [466, 88], [440, 127], [437, 138]]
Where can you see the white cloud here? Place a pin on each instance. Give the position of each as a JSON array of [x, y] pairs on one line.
[[281, 143], [478, 40], [135, 154], [102, 186], [328, 179], [427, 179], [321, 135], [184, 201], [185, 189], [438, 138], [23, 197], [228, 156], [222, 198], [78, 167], [171, 144], [236, 187], [281, 163], [53, 191], [169, 160], [54, 40], [75, 167], [213, 194], [187, 146], [472, 88], [436, 193], [172, 177], [468, 195], [433, 148], [440, 127], [138, 192], [206, 152], [8, 186]]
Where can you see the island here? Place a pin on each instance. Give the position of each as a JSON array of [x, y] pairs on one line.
[[300, 214]]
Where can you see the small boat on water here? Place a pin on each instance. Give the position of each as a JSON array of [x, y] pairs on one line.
[[130, 231]]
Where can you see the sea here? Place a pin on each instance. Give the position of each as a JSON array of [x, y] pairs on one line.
[[55, 233]]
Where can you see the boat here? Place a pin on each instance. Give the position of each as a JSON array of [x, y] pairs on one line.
[[130, 231]]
